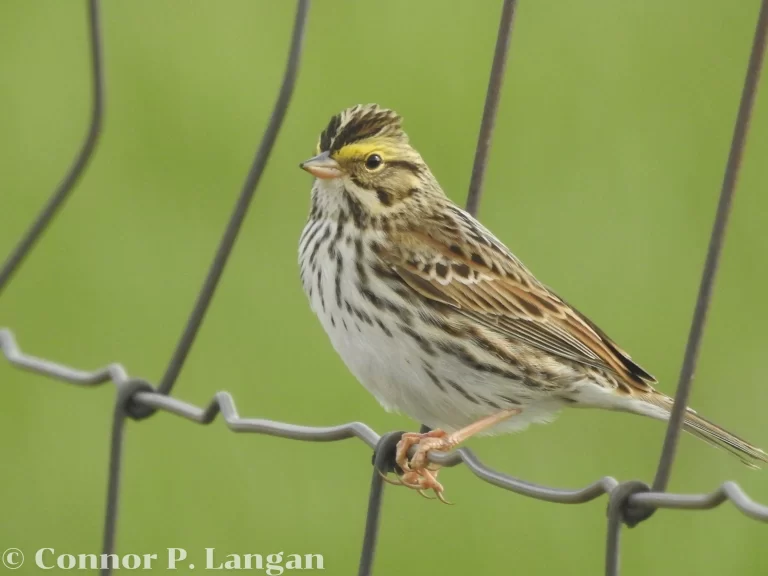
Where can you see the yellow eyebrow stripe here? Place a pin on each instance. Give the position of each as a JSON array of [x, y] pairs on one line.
[[363, 149]]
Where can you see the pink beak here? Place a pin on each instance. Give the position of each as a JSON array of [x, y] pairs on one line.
[[322, 166]]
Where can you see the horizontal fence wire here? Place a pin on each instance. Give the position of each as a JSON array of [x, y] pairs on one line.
[[629, 502]]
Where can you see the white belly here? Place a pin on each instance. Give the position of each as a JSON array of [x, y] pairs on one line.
[[379, 348]]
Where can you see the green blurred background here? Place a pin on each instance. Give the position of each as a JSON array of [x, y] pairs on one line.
[[611, 142]]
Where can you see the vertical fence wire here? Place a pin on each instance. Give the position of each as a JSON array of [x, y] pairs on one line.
[[124, 408], [241, 208], [487, 124], [629, 502], [67, 185], [715, 249], [620, 511], [114, 465], [491, 107]]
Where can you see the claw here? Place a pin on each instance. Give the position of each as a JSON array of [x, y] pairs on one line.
[[388, 480], [442, 499], [417, 485]]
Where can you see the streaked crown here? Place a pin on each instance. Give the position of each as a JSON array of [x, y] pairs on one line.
[[358, 123]]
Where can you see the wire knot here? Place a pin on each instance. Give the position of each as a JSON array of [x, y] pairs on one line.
[[126, 401], [384, 453], [619, 503]]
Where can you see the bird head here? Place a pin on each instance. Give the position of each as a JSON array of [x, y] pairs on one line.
[[365, 154]]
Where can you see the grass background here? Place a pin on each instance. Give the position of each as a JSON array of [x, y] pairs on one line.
[[612, 137]]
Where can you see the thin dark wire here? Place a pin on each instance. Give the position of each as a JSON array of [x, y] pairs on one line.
[[126, 390], [246, 195], [371, 532], [382, 457], [131, 390], [488, 122], [621, 510], [613, 544], [46, 215], [113, 482], [491, 105], [713, 254]]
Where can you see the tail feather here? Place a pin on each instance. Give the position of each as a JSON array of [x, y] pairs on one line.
[[715, 435]]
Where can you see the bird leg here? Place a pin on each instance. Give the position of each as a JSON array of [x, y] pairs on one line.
[[421, 474]]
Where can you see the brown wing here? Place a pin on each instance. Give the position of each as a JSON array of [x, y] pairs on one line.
[[468, 269]]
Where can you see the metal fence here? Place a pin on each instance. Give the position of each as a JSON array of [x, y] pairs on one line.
[[629, 502]]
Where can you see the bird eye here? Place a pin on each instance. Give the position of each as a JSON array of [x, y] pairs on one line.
[[373, 161]]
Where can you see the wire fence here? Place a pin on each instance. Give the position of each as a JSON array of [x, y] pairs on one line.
[[629, 502]]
